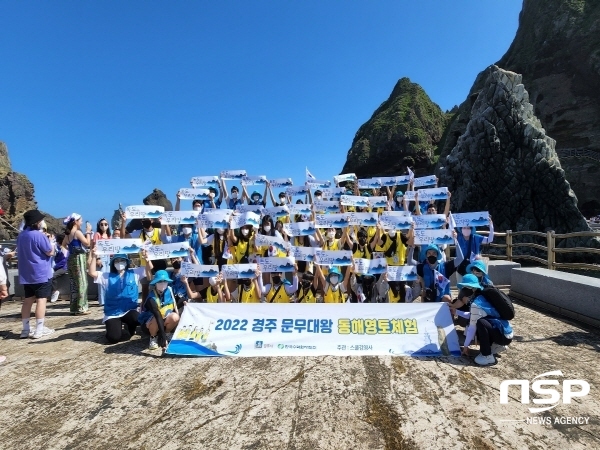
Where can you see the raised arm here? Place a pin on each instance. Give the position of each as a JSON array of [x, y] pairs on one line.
[[447, 207], [92, 264], [178, 201], [271, 193], [490, 237]]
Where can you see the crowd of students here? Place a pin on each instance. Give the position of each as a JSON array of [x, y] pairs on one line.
[[165, 293]]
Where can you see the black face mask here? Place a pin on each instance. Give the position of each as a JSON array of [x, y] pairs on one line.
[[362, 241], [395, 288], [245, 282], [432, 259], [306, 284], [276, 279], [176, 265], [146, 224]]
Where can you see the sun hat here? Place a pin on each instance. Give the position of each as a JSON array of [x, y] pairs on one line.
[[119, 256], [470, 281], [161, 275], [32, 217], [72, 216], [335, 271], [477, 264], [256, 193]]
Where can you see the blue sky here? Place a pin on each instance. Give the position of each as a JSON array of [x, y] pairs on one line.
[[100, 102]]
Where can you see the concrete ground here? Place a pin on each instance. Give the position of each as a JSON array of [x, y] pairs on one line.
[[71, 391]]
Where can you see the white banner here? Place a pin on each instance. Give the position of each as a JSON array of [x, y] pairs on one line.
[[114, 246], [396, 213], [431, 221], [299, 228], [165, 251], [274, 264], [369, 183], [261, 240], [250, 181], [327, 207], [333, 257], [335, 193], [318, 184], [344, 177], [362, 219], [256, 209], [437, 237], [281, 182], [440, 193], [395, 181], [214, 219], [332, 220], [473, 219], [375, 266], [380, 201], [402, 273], [303, 253], [300, 208], [354, 200], [212, 181], [194, 194], [429, 180], [277, 212], [296, 190], [247, 218], [198, 270], [350, 329], [409, 196], [233, 174], [395, 222], [143, 211], [179, 217], [234, 271]]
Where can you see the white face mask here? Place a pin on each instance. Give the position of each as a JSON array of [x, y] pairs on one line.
[[283, 201], [255, 199], [43, 225], [267, 228], [318, 197], [187, 230], [220, 230], [245, 232], [466, 232], [234, 195], [392, 233], [120, 265], [330, 234], [333, 279], [161, 286], [197, 208]]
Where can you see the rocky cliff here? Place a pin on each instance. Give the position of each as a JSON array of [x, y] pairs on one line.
[[404, 131]]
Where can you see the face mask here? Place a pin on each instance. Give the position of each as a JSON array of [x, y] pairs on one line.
[[276, 279], [246, 282], [306, 284], [362, 241], [255, 199], [187, 230], [176, 265], [161, 286], [234, 195], [432, 259], [211, 195], [334, 279], [395, 288], [245, 232], [466, 232], [120, 265], [330, 234], [43, 225], [392, 233], [282, 200], [267, 228], [220, 230], [318, 197], [197, 208]]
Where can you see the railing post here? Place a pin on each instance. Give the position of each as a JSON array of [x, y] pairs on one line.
[[550, 244], [509, 245]]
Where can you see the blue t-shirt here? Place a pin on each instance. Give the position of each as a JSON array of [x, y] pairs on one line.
[[34, 264]]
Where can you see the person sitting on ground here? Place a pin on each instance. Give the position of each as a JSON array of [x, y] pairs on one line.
[[493, 333], [120, 288], [479, 269]]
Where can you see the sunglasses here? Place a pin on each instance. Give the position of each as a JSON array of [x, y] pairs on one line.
[[103, 224]]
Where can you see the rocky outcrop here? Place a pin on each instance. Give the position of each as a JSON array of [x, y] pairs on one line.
[[158, 198], [504, 162], [404, 131]]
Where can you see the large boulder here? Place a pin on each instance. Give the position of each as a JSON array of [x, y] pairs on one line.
[[158, 198]]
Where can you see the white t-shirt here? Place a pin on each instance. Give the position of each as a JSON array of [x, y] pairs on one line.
[[102, 280]]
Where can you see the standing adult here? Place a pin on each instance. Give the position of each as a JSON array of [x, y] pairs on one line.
[[34, 252], [103, 262], [75, 240]]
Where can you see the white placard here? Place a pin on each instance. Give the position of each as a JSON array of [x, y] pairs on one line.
[[233, 174], [437, 237], [318, 184], [194, 194], [396, 222], [114, 246], [328, 207], [214, 219], [402, 273], [297, 190], [362, 219], [302, 209], [380, 201], [299, 228], [254, 180], [281, 182], [273, 264], [256, 209], [332, 220], [333, 257], [433, 194], [235, 271], [375, 266], [354, 200], [277, 212], [144, 211], [165, 251], [335, 193], [472, 219], [306, 254], [431, 221], [344, 177], [429, 180], [198, 270], [247, 218], [212, 181], [262, 240], [179, 217], [369, 183]]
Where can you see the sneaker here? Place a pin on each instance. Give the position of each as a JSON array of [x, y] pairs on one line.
[[45, 331], [482, 360], [497, 348], [54, 297], [153, 343], [26, 334]]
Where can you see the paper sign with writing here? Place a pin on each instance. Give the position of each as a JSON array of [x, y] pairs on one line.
[[409, 196], [433, 194], [296, 190], [235, 271], [333, 257], [437, 237], [247, 218], [395, 222], [281, 182], [306, 254], [354, 200], [164, 251], [277, 212], [273, 264], [198, 270], [252, 180], [299, 228], [327, 206], [332, 220], [212, 181], [472, 219], [300, 208], [179, 217], [369, 183], [194, 193], [362, 219], [114, 246], [431, 221], [214, 219], [380, 201], [375, 266], [402, 273], [333, 192], [262, 240], [429, 180], [344, 177], [396, 213], [256, 209], [233, 174], [318, 184], [144, 211], [217, 210]]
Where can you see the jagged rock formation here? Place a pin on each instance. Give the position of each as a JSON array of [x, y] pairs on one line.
[[158, 197], [505, 163], [404, 131]]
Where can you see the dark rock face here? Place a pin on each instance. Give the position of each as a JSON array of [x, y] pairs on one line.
[[404, 131], [158, 198], [505, 163], [557, 50]]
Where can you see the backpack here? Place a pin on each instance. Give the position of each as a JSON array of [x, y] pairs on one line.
[[500, 301]]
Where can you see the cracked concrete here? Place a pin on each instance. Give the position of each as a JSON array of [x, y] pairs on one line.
[[72, 391]]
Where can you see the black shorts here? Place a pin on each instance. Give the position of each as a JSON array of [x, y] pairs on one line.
[[38, 290]]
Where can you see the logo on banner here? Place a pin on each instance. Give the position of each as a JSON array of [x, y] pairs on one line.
[[238, 348]]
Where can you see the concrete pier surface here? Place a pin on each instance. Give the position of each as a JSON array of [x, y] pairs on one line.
[[71, 391]]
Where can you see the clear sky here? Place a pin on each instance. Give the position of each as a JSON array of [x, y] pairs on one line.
[[102, 101]]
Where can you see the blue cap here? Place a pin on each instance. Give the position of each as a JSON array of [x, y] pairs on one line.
[[335, 271], [119, 256], [470, 281], [477, 264], [161, 275]]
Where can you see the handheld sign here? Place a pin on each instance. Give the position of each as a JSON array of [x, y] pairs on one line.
[[114, 246], [281, 182], [306, 254], [344, 177], [179, 217], [369, 183], [437, 237], [473, 219], [216, 219], [333, 257], [261, 240], [236, 271], [198, 270], [354, 200], [212, 181], [429, 180], [299, 228], [402, 273], [233, 174], [431, 221], [194, 194], [247, 218], [144, 211], [332, 221], [276, 264], [375, 266], [249, 181], [165, 251]]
